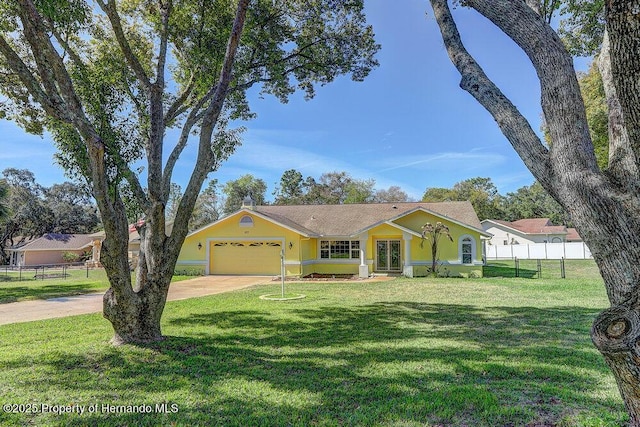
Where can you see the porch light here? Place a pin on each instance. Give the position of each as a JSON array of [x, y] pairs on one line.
[[290, 245], [199, 245]]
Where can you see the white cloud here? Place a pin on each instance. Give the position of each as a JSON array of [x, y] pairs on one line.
[[470, 160]]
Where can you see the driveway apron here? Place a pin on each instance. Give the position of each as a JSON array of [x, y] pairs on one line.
[[27, 311]]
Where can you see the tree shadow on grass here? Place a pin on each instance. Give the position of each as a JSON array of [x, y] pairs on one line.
[[17, 293], [388, 363], [506, 270]]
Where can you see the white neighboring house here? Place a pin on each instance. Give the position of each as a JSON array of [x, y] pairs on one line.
[[528, 231]]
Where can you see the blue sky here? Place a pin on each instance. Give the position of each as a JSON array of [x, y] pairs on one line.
[[409, 124]]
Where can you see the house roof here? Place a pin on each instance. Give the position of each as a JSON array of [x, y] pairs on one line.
[[57, 241], [134, 236], [532, 226], [573, 236], [353, 219]]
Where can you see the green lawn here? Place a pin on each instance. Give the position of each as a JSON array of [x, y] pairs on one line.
[[28, 286], [31, 287], [409, 352]]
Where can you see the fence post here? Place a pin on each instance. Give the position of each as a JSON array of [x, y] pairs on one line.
[[562, 271], [87, 270], [20, 275], [517, 267], [539, 269]]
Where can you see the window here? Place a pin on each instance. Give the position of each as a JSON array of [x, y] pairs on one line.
[[467, 250], [246, 221], [339, 249]]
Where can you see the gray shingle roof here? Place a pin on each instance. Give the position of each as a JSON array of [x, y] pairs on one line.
[[56, 241], [351, 219]]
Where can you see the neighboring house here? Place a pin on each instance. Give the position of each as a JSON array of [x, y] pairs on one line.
[[528, 231], [357, 239], [49, 249], [573, 236], [134, 243]]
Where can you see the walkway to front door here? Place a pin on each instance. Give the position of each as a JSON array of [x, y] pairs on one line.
[[388, 255]]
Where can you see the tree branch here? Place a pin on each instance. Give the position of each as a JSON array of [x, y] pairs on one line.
[[206, 157], [623, 164], [177, 107], [192, 119], [561, 98], [67, 48], [513, 125], [112, 13], [53, 72], [136, 188], [68, 108], [20, 69], [623, 27], [165, 13]]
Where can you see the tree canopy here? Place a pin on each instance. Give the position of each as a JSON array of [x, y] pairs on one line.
[[238, 190], [33, 210], [109, 79], [335, 187]]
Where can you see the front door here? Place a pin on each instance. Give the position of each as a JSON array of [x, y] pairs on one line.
[[388, 255]]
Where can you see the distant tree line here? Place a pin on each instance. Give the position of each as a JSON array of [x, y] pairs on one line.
[[28, 210], [526, 202], [217, 201], [339, 187]]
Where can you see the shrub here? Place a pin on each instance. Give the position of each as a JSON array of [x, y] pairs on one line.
[[70, 257]]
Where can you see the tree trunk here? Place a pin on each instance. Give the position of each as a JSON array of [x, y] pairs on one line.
[[135, 310], [616, 333], [608, 219], [136, 319]]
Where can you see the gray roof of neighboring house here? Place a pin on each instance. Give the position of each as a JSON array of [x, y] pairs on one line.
[[352, 219], [57, 241]]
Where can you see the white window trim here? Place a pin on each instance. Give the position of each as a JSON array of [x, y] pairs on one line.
[[244, 223], [473, 249], [351, 249]]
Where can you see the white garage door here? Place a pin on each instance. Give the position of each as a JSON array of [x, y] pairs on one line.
[[256, 257]]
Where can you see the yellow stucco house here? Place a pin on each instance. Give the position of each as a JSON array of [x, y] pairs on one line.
[[358, 239]]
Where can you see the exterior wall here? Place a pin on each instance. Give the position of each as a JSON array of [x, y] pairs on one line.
[[384, 232], [302, 254], [332, 268], [449, 270], [312, 263], [449, 252], [194, 258], [33, 258]]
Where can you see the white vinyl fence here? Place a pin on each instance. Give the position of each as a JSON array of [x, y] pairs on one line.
[[574, 250]]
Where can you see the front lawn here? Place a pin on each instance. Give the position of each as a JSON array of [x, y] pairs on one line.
[[77, 281], [409, 352], [28, 286]]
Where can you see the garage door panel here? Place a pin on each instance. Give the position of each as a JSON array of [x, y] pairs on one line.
[[255, 257]]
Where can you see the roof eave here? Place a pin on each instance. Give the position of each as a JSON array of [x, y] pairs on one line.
[[258, 214]]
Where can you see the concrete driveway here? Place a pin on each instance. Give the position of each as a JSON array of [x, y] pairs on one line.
[[27, 311]]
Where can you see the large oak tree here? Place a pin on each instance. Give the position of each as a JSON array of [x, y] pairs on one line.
[[603, 203], [110, 78]]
